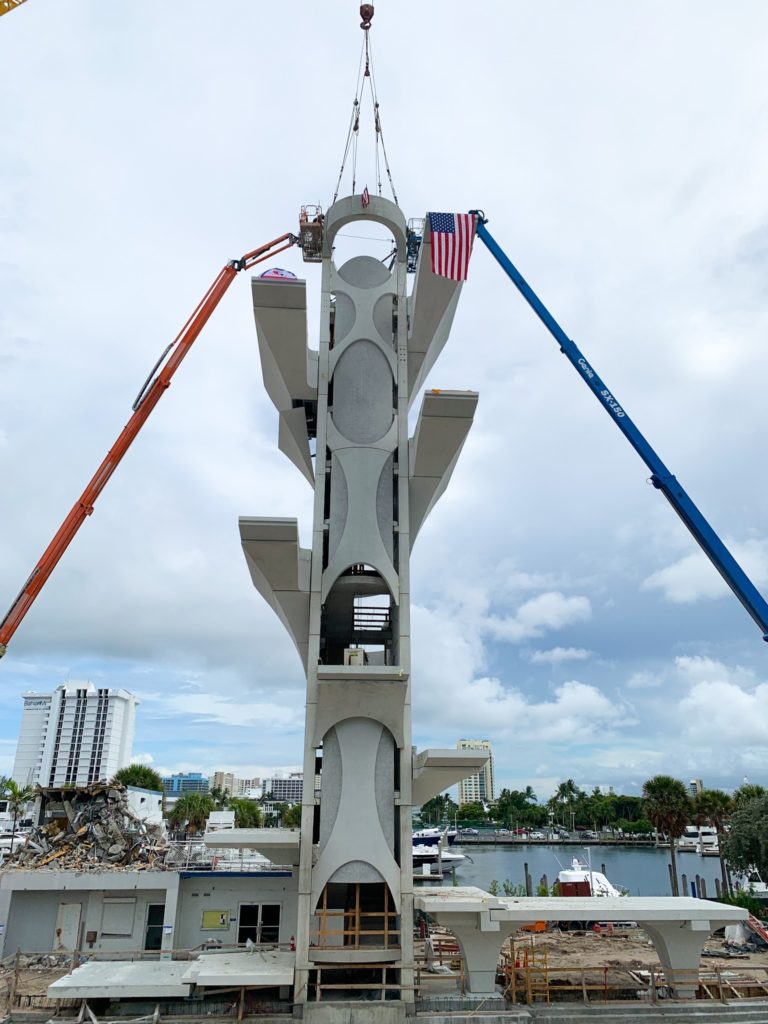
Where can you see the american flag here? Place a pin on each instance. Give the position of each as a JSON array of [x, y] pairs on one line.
[[365, 198], [451, 236]]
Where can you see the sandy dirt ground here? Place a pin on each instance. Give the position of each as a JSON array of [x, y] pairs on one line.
[[32, 981], [610, 966], [564, 954], [626, 947]]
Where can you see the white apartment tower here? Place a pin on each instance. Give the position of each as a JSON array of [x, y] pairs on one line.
[[78, 734], [478, 787]]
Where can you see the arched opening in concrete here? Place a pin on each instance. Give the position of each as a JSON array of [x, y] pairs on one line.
[[363, 238], [358, 620], [357, 915]]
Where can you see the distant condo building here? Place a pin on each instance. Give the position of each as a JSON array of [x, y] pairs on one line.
[[478, 787], [182, 783], [76, 735], [285, 791], [228, 782], [695, 786]]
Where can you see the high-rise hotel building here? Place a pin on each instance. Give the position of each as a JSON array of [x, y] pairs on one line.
[[478, 787], [78, 734]]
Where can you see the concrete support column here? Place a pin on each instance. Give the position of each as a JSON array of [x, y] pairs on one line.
[[170, 915], [679, 945], [480, 940]]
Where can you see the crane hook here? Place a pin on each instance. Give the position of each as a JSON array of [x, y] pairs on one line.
[[366, 13]]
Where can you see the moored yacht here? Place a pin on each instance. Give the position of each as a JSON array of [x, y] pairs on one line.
[[581, 880]]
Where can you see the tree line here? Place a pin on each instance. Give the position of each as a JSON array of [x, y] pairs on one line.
[[666, 807]]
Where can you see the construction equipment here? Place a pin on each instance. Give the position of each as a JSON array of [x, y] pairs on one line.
[[311, 233], [9, 5], [661, 477], [152, 390]]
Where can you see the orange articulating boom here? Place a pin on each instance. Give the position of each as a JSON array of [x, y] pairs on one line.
[[148, 398]]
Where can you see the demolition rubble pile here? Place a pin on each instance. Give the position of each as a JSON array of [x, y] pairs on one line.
[[91, 826]]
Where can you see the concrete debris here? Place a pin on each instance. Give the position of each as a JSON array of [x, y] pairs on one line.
[[90, 827]]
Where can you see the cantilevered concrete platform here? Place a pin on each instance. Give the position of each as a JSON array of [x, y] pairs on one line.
[[118, 979], [434, 770], [678, 926], [280, 845], [171, 979], [260, 968]]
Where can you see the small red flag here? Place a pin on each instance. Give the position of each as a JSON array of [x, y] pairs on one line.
[[365, 197]]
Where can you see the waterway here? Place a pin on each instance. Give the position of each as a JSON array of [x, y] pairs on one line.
[[642, 872]]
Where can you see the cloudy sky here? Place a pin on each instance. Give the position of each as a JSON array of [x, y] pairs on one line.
[[560, 608]]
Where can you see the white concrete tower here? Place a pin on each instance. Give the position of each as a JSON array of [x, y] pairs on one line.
[[346, 602]]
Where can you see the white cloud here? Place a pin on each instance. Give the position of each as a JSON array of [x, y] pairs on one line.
[[454, 694], [693, 577], [545, 612], [724, 713], [145, 758], [556, 655], [698, 668], [644, 680], [213, 708]]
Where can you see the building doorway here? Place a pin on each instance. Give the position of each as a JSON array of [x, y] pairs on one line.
[[67, 931], [259, 922], [153, 937]]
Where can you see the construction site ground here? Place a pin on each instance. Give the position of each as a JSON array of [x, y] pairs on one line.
[[566, 954], [629, 947]]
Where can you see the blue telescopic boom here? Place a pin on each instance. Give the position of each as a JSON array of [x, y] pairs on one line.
[[661, 477]]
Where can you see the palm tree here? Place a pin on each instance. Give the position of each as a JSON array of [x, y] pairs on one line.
[[191, 811], [565, 796], [714, 807], [668, 807], [220, 797], [747, 791], [18, 797], [247, 812]]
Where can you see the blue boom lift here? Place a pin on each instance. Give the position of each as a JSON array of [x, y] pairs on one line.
[[661, 477]]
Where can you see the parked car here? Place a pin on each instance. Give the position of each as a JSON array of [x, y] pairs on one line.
[[521, 832], [469, 832], [536, 835], [588, 834], [503, 832]]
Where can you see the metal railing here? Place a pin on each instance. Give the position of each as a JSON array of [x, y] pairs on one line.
[[371, 618]]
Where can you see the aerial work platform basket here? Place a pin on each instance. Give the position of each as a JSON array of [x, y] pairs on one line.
[[311, 233]]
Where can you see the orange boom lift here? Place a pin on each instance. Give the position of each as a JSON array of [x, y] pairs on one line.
[[150, 394]]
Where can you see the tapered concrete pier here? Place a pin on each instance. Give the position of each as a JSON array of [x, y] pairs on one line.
[[345, 601]]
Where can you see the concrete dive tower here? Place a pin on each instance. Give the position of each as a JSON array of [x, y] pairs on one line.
[[346, 600]]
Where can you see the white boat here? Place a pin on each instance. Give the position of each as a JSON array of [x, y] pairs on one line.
[[432, 836], [423, 854], [750, 882], [582, 880]]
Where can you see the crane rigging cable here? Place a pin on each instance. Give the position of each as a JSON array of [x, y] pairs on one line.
[[365, 72]]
